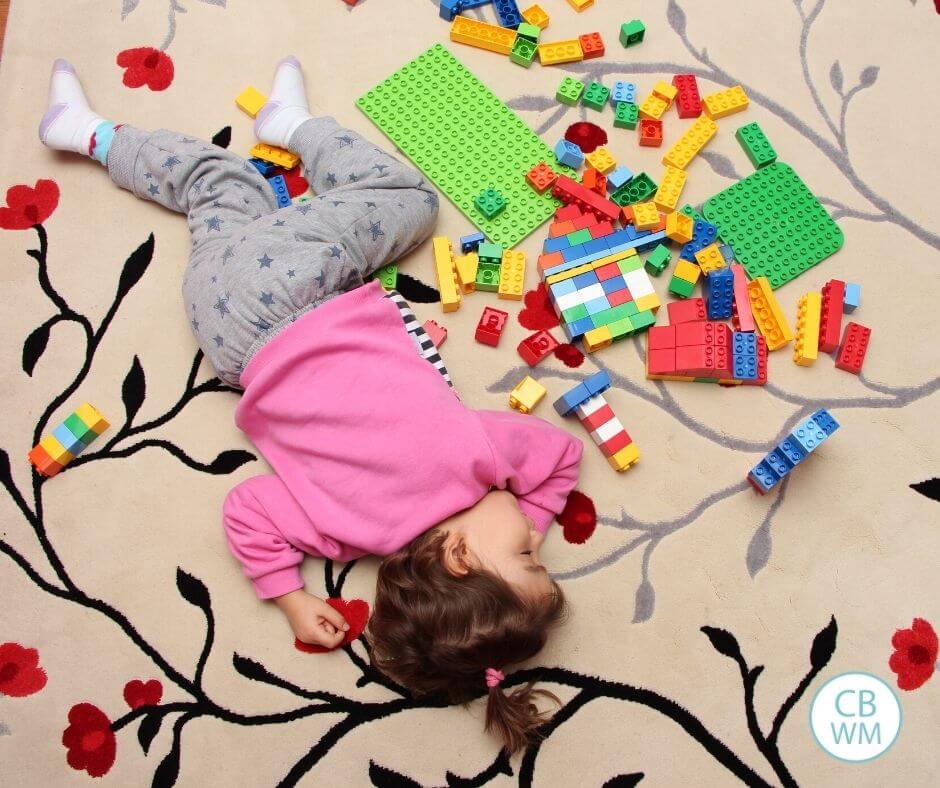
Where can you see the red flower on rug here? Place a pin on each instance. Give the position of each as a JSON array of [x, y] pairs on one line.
[[356, 613], [578, 519], [29, 205], [20, 674], [139, 693], [915, 654], [296, 182], [569, 355], [146, 66], [586, 136], [89, 739]]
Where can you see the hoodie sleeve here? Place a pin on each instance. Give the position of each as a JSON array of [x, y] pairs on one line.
[[269, 533], [534, 460]]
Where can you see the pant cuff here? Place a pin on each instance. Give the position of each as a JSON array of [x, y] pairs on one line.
[[122, 158], [312, 132]]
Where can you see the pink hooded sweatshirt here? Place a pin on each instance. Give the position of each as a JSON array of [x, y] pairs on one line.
[[370, 446]]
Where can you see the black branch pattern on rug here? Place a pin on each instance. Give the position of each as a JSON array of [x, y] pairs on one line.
[[132, 437]]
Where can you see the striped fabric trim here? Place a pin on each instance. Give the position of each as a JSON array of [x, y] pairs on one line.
[[419, 336]]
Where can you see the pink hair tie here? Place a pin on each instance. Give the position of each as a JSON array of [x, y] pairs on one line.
[[493, 677]]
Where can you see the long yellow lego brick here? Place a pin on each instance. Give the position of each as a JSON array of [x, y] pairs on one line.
[[553, 52], [767, 314], [482, 35], [806, 349], [690, 143], [613, 258], [725, 102], [581, 269], [670, 187], [446, 276], [512, 275], [279, 156]]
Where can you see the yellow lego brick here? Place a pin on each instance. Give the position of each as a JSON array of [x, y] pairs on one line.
[[466, 269], [512, 275], [645, 216], [625, 458], [653, 107], [670, 187], [56, 450], [767, 314], [446, 276], [535, 15], [679, 227], [553, 52], [580, 5], [569, 273], [690, 143], [601, 160], [526, 395], [597, 338], [806, 349], [613, 258], [725, 102], [648, 301], [279, 156], [468, 31], [687, 271], [666, 92], [710, 258], [251, 101], [92, 418]]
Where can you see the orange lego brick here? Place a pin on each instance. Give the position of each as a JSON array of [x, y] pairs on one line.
[[535, 15], [679, 227], [767, 314], [592, 45], [279, 156], [493, 38], [43, 463]]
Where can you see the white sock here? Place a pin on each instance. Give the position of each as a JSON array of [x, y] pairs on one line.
[[287, 106], [69, 122]]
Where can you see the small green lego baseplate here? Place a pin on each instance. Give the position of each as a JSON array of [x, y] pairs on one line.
[[774, 223], [464, 139]]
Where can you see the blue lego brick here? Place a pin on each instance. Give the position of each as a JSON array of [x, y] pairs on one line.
[[564, 287], [808, 434], [470, 243], [647, 242], [597, 305], [561, 268], [66, 437], [450, 8], [576, 256], [792, 450], [508, 13], [568, 401], [763, 477], [266, 168], [623, 91], [617, 237], [703, 233], [569, 154], [779, 462], [744, 355], [579, 327], [823, 418], [596, 245], [279, 185], [719, 293], [573, 253], [588, 278], [728, 253], [618, 178], [614, 284], [556, 244], [597, 383], [852, 299]]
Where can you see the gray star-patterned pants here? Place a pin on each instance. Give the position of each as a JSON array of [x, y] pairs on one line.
[[254, 268]]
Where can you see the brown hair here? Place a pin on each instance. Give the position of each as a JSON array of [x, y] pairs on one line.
[[436, 634]]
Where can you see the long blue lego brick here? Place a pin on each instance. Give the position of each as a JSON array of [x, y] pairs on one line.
[[556, 244], [640, 244]]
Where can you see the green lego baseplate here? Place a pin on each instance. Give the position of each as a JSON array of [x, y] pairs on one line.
[[774, 223], [465, 140]]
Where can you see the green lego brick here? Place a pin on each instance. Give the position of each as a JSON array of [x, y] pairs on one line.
[[658, 259], [621, 328], [632, 32], [628, 264], [694, 215], [80, 430], [569, 91], [490, 202], [641, 187], [387, 276], [643, 319], [488, 276], [523, 51], [626, 115], [579, 237], [574, 313], [756, 145], [681, 287], [532, 32], [629, 309], [490, 253], [774, 223], [596, 96], [465, 139]]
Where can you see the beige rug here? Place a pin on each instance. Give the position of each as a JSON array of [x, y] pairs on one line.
[[117, 573]]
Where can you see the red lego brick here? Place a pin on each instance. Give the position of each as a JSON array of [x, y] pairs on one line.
[[661, 227], [830, 316], [651, 132], [661, 361], [661, 337], [575, 194], [565, 212], [854, 347], [43, 462], [686, 311], [688, 100], [549, 260], [626, 215], [436, 332], [619, 297], [491, 325], [761, 364], [585, 222], [704, 360], [601, 229], [541, 177], [557, 229], [608, 271], [598, 417], [741, 316], [592, 45], [536, 347], [595, 181], [616, 443], [690, 334]]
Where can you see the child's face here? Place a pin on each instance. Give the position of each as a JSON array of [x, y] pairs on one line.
[[503, 540]]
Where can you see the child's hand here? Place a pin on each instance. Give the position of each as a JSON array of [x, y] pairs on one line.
[[312, 619]]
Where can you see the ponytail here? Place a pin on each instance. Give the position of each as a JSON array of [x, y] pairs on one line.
[[514, 719]]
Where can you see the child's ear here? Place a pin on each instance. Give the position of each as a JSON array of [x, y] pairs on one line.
[[456, 554]]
